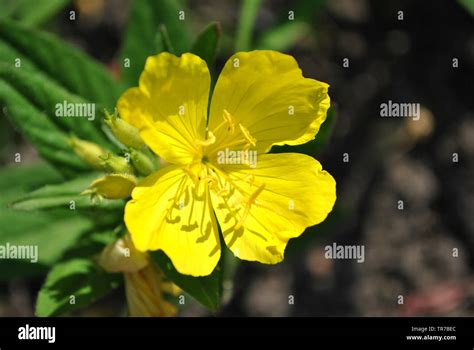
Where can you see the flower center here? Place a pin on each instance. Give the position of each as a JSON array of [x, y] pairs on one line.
[[237, 195]]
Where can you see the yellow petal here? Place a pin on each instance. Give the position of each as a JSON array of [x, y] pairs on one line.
[[113, 186], [168, 211], [260, 209], [266, 93], [170, 105]]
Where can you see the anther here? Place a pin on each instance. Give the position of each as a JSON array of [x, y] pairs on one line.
[[250, 139]]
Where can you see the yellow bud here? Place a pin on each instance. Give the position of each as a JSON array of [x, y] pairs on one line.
[[145, 291], [145, 284], [122, 256], [113, 186], [124, 132], [142, 162], [116, 164], [89, 152]]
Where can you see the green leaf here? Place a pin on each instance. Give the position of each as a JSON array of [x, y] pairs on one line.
[[146, 16], [91, 244], [50, 142], [46, 95], [166, 40], [21, 228], [19, 179], [82, 279], [283, 37], [247, 17], [72, 68], [207, 290], [206, 43], [468, 5], [55, 232], [32, 12], [61, 196]]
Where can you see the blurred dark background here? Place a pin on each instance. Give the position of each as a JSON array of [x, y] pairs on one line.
[[409, 253]]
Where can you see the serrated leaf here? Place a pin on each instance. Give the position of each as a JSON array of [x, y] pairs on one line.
[[72, 68], [21, 228], [207, 290], [50, 142], [82, 279], [18, 178], [46, 95], [32, 12], [61, 195], [206, 43], [146, 16]]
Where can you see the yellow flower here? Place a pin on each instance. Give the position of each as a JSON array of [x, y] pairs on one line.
[[145, 285], [261, 99]]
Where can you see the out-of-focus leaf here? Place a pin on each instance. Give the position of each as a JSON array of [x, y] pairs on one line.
[[46, 95], [207, 290], [283, 37], [72, 68], [146, 16], [248, 15], [91, 243], [78, 280], [53, 232], [62, 195], [32, 12], [50, 142], [166, 40], [18, 178], [468, 5], [206, 43]]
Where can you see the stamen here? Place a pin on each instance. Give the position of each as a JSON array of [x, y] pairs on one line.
[[228, 118], [250, 201], [210, 139], [251, 140]]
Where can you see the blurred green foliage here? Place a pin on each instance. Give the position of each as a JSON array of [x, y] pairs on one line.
[[31, 12]]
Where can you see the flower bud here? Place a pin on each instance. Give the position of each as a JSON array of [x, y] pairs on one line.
[[122, 256], [116, 164], [124, 132], [144, 165], [145, 291], [113, 186], [145, 284], [89, 152]]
